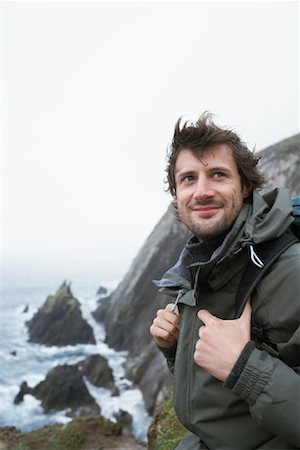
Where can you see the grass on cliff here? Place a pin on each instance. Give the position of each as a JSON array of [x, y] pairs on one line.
[[78, 434], [165, 431]]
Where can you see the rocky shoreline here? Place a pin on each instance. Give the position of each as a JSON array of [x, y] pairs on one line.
[[64, 386]]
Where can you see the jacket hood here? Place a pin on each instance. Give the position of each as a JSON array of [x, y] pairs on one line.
[[270, 215]]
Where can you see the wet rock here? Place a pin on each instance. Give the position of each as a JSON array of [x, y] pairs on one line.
[[63, 388], [101, 290], [24, 389], [98, 372], [100, 312], [59, 321], [150, 372], [125, 419]]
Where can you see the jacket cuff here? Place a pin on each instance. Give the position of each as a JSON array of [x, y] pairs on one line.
[[254, 377], [239, 365]]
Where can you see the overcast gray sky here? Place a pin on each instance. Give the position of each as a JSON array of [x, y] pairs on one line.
[[90, 95]]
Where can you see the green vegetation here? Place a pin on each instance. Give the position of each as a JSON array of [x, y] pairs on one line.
[[67, 438], [21, 446], [166, 431], [79, 434]]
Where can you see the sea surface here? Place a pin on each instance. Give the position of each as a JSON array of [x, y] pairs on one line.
[[23, 293]]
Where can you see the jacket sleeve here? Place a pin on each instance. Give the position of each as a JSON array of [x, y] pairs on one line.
[[270, 383], [272, 390]]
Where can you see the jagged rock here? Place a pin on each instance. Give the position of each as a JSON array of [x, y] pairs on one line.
[[63, 388], [100, 312], [98, 372], [24, 389], [150, 372], [124, 419], [59, 321], [134, 303], [101, 290]]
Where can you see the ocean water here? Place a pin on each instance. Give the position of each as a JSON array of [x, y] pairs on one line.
[[22, 295]]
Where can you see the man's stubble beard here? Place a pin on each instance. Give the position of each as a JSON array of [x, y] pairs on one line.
[[203, 230]]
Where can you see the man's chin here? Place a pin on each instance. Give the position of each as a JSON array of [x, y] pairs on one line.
[[205, 232]]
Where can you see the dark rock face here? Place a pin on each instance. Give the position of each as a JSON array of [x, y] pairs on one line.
[[59, 321], [124, 419], [132, 307], [101, 290], [98, 372], [100, 312], [150, 372], [281, 164], [63, 388], [134, 303]]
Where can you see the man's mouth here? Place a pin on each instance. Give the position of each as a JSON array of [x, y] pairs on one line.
[[207, 210]]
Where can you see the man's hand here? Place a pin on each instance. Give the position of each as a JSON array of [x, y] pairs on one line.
[[221, 342], [165, 326]]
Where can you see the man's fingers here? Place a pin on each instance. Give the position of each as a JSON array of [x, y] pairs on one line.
[[165, 327], [172, 308], [205, 316]]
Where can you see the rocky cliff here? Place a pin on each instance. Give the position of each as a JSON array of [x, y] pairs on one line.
[[131, 308], [136, 300], [281, 163], [133, 305]]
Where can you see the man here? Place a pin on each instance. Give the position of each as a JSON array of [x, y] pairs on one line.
[[236, 378]]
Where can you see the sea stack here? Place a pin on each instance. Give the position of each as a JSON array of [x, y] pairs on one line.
[[59, 321]]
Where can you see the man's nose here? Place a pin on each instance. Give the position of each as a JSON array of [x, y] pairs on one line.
[[203, 188]]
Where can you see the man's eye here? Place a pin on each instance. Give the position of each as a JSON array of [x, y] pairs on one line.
[[218, 174], [188, 178]]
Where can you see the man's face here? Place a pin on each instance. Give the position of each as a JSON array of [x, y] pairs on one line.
[[208, 191]]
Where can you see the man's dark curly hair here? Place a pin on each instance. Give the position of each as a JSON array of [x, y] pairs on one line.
[[203, 134]]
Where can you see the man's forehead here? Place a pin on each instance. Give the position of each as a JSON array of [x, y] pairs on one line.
[[216, 154]]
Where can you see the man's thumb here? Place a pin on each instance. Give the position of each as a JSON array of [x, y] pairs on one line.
[[247, 313]]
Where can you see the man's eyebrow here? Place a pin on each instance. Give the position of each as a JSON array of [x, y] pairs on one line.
[[219, 168], [184, 171]]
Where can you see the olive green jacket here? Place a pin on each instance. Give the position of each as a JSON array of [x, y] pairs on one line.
[[262, 408]]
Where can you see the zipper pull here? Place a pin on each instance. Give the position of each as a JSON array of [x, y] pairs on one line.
[[179, 295]]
